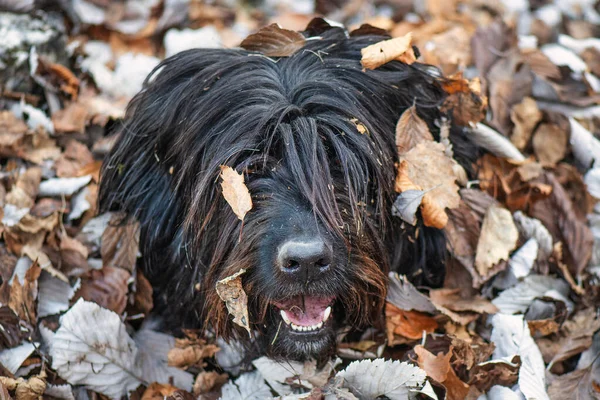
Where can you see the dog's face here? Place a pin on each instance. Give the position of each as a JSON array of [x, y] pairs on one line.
[[314, 136]]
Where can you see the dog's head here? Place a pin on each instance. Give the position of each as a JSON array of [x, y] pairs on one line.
[[313, 134]]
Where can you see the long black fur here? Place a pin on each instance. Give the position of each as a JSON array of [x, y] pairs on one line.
[[290, 125]]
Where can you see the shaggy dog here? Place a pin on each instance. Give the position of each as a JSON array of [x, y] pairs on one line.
[[314, 136]]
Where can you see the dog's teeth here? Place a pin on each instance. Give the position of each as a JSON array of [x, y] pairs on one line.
[[319, 325], [285, 317], [326, 313]]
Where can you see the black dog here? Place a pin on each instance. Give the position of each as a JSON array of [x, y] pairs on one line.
[[320, 239]]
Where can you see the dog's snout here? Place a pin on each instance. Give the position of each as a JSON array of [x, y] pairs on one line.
[[304, 257]]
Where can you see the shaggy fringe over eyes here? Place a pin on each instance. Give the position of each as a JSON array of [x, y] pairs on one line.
[[294, 119]]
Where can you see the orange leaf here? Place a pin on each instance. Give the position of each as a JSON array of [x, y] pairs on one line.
[[409, 324]]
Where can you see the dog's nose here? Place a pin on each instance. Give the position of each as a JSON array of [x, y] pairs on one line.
[[304, 257]]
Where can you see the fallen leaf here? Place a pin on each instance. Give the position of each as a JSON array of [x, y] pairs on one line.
[[274, 41], [63, 186], [518, 298], [54, 295], [489, 43], [465, 100], [498, 238], [494, 142], [510, 80], [73, 159], [71, 119], [209, 381], [558, 214], [525, 116], [11, 332], [408, 324], [550, 144], [249, 386], [92, 348], [430, 169], [24, 294], [26, 389], [404, 295], [510, 334], [378, 54], [449, 50], [120, 243], [230, 290], [379, 378], [158, 391], [107, 287], [452, 300], [235, 191], [438, 368], [12, 359], [188, 353], [407, 204], [577, 385], [410, 131]]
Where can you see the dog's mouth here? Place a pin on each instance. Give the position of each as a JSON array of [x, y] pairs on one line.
[[306, 314]]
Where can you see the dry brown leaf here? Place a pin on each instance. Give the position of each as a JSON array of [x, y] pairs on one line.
[[438, 368], [143, 300], [410, 131], [484, 375], [71, 119], [26, 389], [230, 290], [550, 144], [510, 80], [433, 214], [74, 158], [591, 56], [449, 50], [107, 287], [164, 391], [120, 242], [525, 116], [12, 134], [430, 169], [408, 324], [581, 384], [235, 191], [25, 190], [274, 41], [498, 238], [452, 300], [209, 381], [187, 353], [465, 100], [24, 294], [375, 55], [489, 43]]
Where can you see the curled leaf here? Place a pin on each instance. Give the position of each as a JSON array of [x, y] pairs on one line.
[[274, 41], [230, 290], [383, 52]]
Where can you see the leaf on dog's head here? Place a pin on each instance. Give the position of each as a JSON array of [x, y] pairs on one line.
[[400, 49], [410, 131], [274, 41], [230, 290], [235, 191]]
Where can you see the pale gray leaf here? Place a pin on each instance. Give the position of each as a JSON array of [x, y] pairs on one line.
[[13, 358], [511, 335], [92, 348], [63, 186], [407, 204], [518, 298], [249, 386], [495, 142], [405, 296], [54, 294], [377, 378]]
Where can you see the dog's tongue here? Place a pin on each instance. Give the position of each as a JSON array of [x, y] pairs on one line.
[[305, 313]]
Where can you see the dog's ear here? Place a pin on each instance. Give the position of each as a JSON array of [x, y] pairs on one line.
[[420, 254]]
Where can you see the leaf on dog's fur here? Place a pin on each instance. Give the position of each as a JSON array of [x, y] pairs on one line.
[[410, 131], [235, 191], [428, 167], [383, 52], [230, 290], [498, 238], [274, 41], [379, 378], [438, 368]]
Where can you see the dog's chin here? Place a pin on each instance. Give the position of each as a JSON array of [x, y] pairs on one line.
[[303, 328]]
